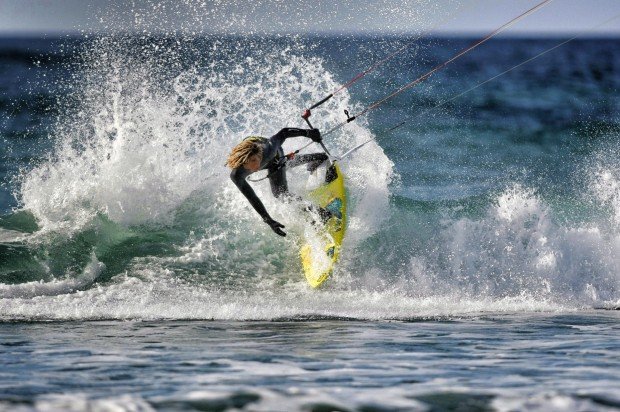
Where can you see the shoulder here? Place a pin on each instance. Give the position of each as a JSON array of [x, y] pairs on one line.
[[239, 174]]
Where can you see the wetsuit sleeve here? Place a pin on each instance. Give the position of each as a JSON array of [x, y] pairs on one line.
[[238, 177], [287, 132]]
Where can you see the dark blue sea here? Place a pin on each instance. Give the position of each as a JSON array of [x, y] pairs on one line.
[[480, 270]]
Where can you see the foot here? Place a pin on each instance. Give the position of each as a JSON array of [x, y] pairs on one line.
[[325, 214], [315, 165]]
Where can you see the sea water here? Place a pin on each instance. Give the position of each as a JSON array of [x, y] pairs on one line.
[[482, 254]]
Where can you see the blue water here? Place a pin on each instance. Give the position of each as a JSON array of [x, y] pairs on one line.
[[503, 362], [481, 264]]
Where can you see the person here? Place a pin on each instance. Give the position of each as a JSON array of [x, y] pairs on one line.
[[256, 153]]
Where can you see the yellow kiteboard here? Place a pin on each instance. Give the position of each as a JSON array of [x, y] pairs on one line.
[[321, 250]]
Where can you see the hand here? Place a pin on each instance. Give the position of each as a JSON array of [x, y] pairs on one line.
[[315, 135], [275, 226]]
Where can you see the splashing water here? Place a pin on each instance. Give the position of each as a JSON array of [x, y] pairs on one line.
[[143, 149], [137, 148], [136, 216]]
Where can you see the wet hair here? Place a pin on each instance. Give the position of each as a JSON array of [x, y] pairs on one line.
[[242, 153]]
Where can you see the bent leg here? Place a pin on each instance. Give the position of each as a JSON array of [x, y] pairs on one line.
[[313, 160], [279, 185], [277, 175]]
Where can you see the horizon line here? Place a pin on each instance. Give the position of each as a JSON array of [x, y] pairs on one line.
[[326, 33]]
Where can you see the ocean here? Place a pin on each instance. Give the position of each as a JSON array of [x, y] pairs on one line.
[[480, 269]]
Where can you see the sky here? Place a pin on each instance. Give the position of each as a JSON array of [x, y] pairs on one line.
[[53, 17]]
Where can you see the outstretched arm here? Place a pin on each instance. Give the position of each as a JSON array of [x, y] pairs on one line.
[[287, 132], [238, 177]]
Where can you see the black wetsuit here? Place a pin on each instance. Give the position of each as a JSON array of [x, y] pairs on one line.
[[273, 156]]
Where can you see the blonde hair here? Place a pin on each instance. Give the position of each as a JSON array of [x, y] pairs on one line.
[[242, 152]]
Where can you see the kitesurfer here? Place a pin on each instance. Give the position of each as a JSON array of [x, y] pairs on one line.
[[256, 153]]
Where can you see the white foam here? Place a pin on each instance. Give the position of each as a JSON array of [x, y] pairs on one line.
[[55, 287], [146, 295], [82, 402], [545, 402], [518, 249], [606, 186], [12, 236]]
